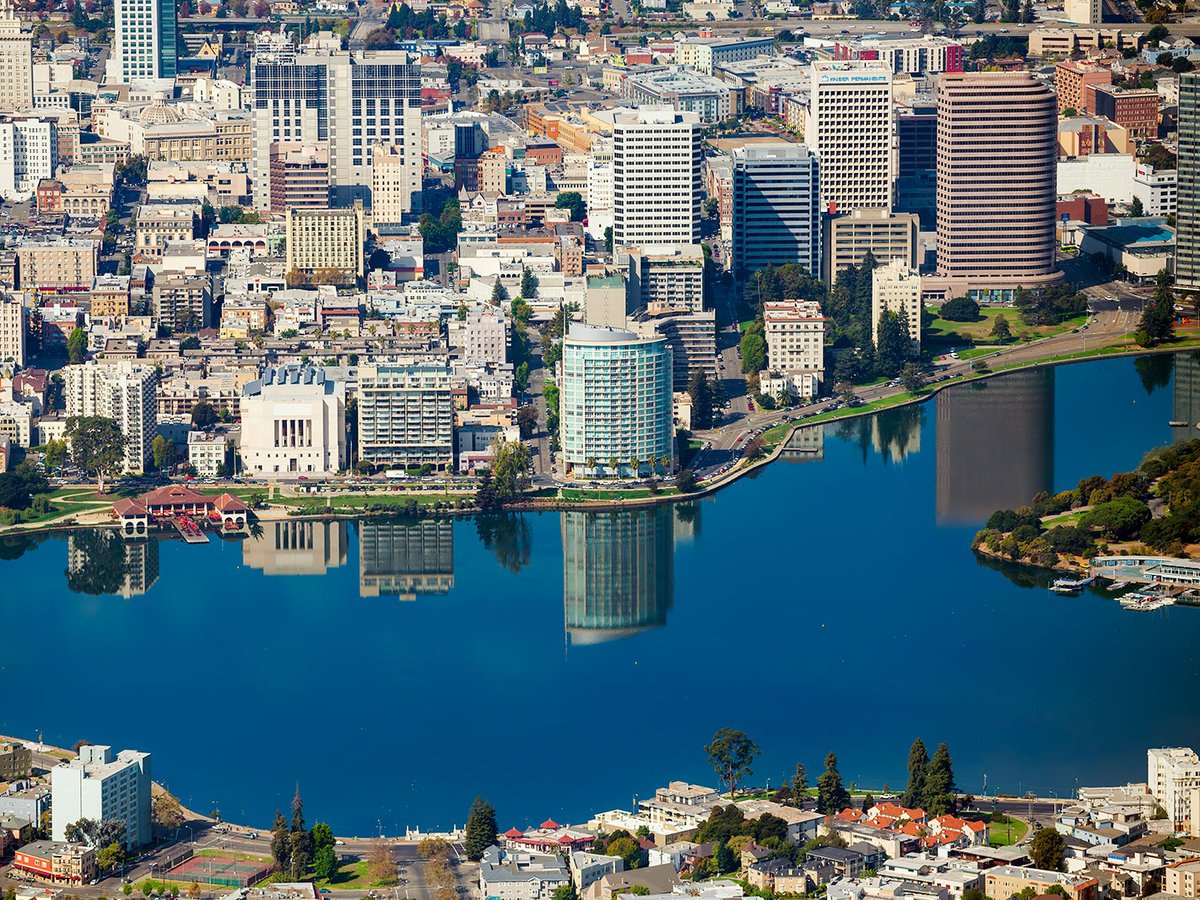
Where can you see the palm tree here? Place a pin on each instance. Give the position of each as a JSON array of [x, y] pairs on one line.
[[635, 465], [613, 462], [665, 462], [592, 462]]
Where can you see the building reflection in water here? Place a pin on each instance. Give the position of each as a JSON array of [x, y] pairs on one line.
[[618, 572], [995, 445], [805, 445], [104, 563], [1185, 416], [405, 559], [893, 434], [296, 548]]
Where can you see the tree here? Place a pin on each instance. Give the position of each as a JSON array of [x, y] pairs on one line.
[[725, 860], [166, 811], [481, 829], [832, 796], [700, 393], [608, 239], [97, 833], [203, 414], [918, 766], [940, 794], [895, 344], [325, 863], [1048, 850], [573, 201], [565, 892], [163, 451], [510, 466], [77, 344], [1136, 209], [913, 377], [97, 445], [381, 862], [110, 857], [1000, 330], [628, 849], [20, 486], [1158, 318], [754, 349], [499, 294], [800, 779], [529, 283], [732, 754], [55, 454], [280, 846], [960, 309], [300, 852]]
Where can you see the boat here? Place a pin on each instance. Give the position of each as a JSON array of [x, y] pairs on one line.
[[1118, 585], [1070, 585]]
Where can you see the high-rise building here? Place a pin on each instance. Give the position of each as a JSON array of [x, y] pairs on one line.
[[16, 61], [12, 329], [916, 170], [182, 301], [656, 177], [394, 185], [896, 287], [57, 262], [776, 207], [329, 239], [406, 415], [1071, 82], [99, 784], [293, 421], [1173, 776], [883, 235], [996, 189], [299, 176], [1187, 216], [124, 392], [615, 402], [144, 36], [349, 100], [664, 279], [849, 127], [795, 335]]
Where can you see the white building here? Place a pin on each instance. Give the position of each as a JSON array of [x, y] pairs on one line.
[[1108, 174], [1173, 775], [352, 100], [124, 392], [895, 287], [406, 415], [485, 336], [516, 875], [656, 177], [26, 155], [99, 784], [1158, 191], [849, 126], [600, 187], [395, 182], [12, 329], [206, 452], [16, 61], [1084, 12], [588, 868], [293, 423], [144, 35], [795, 333]]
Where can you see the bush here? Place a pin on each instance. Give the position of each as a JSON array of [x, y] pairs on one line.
[[960, 309], [1071, 540]]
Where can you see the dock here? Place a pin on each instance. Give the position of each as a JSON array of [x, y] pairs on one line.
[[189, 531]]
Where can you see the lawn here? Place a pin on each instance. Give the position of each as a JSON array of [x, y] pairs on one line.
[[999, 833], [945, 332], [357, 501], [218, 853], [577, 494], [349, 877]]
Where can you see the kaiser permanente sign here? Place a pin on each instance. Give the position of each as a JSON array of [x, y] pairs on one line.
[[852, 77]]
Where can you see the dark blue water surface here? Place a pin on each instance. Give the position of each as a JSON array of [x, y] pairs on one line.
[[559, 664]]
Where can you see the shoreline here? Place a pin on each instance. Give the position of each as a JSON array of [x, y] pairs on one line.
[[709, 489]]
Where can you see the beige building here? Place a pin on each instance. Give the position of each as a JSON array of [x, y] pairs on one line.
[[87, 190], [664, 278], [16, 61], [110, 295], [406, 415], [64, 262], [795, 333], [326, 239], [12, 329], [159, 224], [16, 761], [395, 182], [182, 301], [293, 422], [1182, 878], [1005, 881], [896, 287], [996, 190], [886, 236]]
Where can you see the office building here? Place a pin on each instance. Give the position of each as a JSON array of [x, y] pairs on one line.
[[182, 302], [144, 41], [99, 784], [327, 239], [1072, 80], [1187, 217], [996, 188], [885, 236], [16, 61], [916, 171], [299, 176], [664, 278], [615, 402], [1158, 190], [27, 155], [896, 287], [12, 329], [406, 416], [776, 207], [656, 177], [58, 262], [293, 422], [709, 54], [124, 392], [1134, 109], [395, 184], [929, 54], [849, 127], [350, 101], [159, 224], [710, 98], [1173, 776], [1084, 12]]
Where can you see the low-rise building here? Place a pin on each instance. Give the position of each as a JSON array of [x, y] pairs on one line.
[[16, 761], [57, 862], [517, 875], [293, 422], [1005, 881], [159, 224]]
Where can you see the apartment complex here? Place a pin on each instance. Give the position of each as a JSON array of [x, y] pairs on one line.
[[16, 761], [12, 329], [99, 784], [1187, 217], [776, 207], [293, 421], [656, 177], [110, 295], [1173, 776], [159, 224], [350, 101], [124, 392], [615, 402], [1005, 881], [996, 187], [144, 41], [849, 127], [182, 301], [664, 278], [795, 334], [406, 415], [327, 239], [63, 262], [896, 287], [1134, 109]]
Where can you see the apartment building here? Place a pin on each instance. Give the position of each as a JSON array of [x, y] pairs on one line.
[[1134, 109], [159, 224], [182, 301], [99, 784], [327, 239], [485, 334], [1071, 80], [59, 262], [16, 61], [299, 176], [12, 329], [795, 334], [406, 415], [656, 177], [1173, 776], [395, 184], [110, 295], [1187, 217], [124, 392], [896, 287], [664, 278]]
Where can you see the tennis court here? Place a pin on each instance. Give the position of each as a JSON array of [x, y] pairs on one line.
[[225, 871]]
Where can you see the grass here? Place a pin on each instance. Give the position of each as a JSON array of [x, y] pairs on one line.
[[943, 331], [578, 494], [1000, 835], [358, 501], [349, 877], [217, 853], [1071, 518]]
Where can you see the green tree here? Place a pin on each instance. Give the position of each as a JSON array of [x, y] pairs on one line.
[[960, 309], [163, 451], [499, 294], [97, 446], [280, 846], [895, 344], [918, 767], [56, 454], [725, 860], [481, 829], [573, 201], [529, 283], [700, 393], [754, 349], [832, 796], [1000, 330], [322, 836], [628, 849], [204, 414], [732, 755], [800, 779], [110, 858], [511, 466], [1158, 318], [608, 239], [1048, 850], [1136, 209], [940, 794], [77, 344], [913, 377], [325, 863], [565, 892]]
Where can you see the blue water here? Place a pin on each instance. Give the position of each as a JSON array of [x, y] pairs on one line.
[[827, 604]]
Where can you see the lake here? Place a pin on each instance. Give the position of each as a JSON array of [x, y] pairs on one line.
[[562, 664]]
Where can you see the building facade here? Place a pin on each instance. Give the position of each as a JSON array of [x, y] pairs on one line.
[[327, 239], [293, 422], [849, 127], [896, 287], [16, 61], [144, 41], [12, 329], [615, 402], [776, 207], [299, 176], [885, 236], [1187, 217], [99, 785], [406, 416], [656, 177], [124, 392]]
